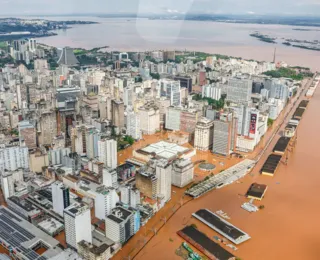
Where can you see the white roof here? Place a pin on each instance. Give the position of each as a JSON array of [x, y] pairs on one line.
[[165, 149]]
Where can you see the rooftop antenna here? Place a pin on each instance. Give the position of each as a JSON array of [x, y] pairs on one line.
[[274, 55]]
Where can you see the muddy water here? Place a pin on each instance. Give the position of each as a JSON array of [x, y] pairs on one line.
[[288, 227]]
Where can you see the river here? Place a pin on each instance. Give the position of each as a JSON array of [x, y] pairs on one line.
[[213, 37]]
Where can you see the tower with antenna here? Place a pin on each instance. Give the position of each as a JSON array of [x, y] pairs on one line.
[[274, 55]]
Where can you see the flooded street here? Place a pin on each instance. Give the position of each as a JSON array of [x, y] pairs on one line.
[[289, 223]]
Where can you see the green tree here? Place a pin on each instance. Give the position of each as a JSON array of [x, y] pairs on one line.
[[155, 76], [270, 122], [129, 139]]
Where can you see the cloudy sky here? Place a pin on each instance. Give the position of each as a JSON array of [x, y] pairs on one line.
[[289, 7]]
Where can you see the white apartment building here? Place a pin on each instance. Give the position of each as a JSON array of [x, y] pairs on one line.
[[164, 175], [120, 225], [7, 184], [107, 152], [77, 223], [133, 124], [106, 199], [203, 137], [13, 158], [110, 178], [182, 172], [60, 197], [211, 91], [130, 196]]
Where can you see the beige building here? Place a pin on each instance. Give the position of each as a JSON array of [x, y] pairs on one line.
[[91, 252], [203, 138], [182, 172], [38, 160], [149, 119], [147, 182]]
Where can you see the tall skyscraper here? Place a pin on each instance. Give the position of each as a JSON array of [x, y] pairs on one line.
[[224, 134], [171, 90], [27, 135], [130, 195], [133, 124], [60, 197], [164, 175], [107, 152], [77, 223]]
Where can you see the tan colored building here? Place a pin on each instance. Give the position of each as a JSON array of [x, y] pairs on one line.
[[203, 138], [179, 137], [91, 252], [38, 160], [147, 182]]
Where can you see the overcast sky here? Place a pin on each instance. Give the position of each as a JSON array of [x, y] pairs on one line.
[[289, 7]]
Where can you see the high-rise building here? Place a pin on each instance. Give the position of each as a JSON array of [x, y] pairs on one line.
[[107, 152], [147, 182], [32, 45], [110, 178], [92, 139], [149, 119], [239, 90], [77, 223], [133, 124], [106, 199], [185, 82], [212, 91], [203, 137], [60, 197], [202, 77], [7, 184], [13, 158], [171, 89], [118, 113], [120, 225], [130, 195], [224, 134], [164, 175], [67, 57], [173, 118], [182, 172]]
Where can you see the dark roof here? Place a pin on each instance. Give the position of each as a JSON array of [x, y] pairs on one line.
[[114, 218], [219, 224], [256, 190], [201, 239], [304, 103], [271, 163], [282, 144], [298, 113]]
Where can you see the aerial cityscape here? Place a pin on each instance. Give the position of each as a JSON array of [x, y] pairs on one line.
[[155, 145]]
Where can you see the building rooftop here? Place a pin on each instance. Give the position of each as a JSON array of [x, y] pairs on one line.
[[221, 226], [256, 190], [22, 236], [76, 209], [164, 149]]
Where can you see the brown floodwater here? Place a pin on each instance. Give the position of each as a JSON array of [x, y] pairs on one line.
[[287, 228]]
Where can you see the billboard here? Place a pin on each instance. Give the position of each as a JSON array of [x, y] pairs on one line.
[[253, 123]]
